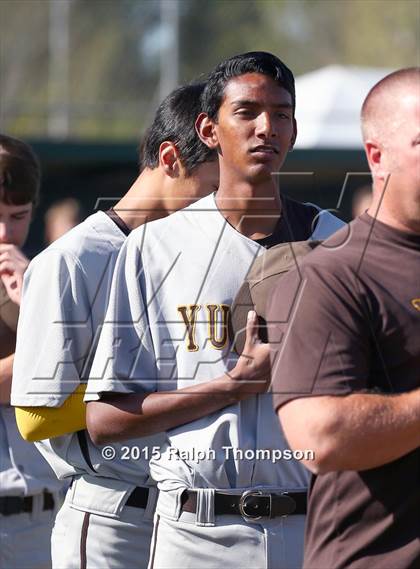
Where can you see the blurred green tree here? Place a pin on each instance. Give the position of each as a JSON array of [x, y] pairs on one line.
[[115, 48]]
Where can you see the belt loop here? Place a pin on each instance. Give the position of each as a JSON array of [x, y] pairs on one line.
[[205, 507], [37, 504], [149, 511], [72, 489]]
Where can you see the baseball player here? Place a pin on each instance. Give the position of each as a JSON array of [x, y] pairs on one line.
[[29, 496], [354, 395], [222, 500], [106, 520]]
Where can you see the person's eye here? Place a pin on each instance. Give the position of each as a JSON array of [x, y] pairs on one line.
[[19, 216], [245, 112], [283, 116]]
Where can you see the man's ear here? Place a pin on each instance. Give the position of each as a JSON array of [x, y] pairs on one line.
[[375, 159], [206, 131], [169, 158], [294, 135]]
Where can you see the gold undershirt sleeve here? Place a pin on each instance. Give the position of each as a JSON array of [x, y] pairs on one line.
[[37, 423]]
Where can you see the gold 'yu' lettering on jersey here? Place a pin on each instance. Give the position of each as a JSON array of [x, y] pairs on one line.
[[416, 303], [189, 316], [218, 315]]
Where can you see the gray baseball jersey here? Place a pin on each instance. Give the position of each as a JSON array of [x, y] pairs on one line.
[[65, 295], [23, 471], [25, 535], [166, 328]]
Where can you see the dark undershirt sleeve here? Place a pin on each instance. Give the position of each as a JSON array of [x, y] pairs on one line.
[[319, 336], [297, 223]]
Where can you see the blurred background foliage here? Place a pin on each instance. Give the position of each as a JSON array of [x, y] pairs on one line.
[[96, 69]]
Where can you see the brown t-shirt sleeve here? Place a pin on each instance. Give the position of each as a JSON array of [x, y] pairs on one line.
[[318, 328]]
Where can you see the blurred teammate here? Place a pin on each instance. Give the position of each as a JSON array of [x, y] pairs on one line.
[[28, 487], [348, 376], [106, 520], [60, 217], [166, 330]]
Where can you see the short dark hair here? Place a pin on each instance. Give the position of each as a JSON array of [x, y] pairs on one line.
[[20, 173], [251, 62], [175, 121]]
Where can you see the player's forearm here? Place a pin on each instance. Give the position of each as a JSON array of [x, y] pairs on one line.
[[124, 416], [6, 369], [121, 417], [355, 432]]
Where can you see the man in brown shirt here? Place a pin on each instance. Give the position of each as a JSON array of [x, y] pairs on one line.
[[346, 376]]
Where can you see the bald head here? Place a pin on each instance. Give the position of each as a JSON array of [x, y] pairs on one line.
[[380, 116]]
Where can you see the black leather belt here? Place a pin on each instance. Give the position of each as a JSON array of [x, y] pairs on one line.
[[10, 505], [252, 504], [138, 498]]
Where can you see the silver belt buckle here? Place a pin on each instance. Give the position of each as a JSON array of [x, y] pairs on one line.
[[244, 508]]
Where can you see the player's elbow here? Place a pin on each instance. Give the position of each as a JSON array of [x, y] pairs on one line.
[[97, 437], [98, 424], [106, 423]]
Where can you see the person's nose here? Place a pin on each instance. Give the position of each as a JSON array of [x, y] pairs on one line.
[[5, 232], [265, 126]]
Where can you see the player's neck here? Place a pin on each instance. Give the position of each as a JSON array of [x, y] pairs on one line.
[[394, 220], [395, 214], [142, 202], [252, 209]]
